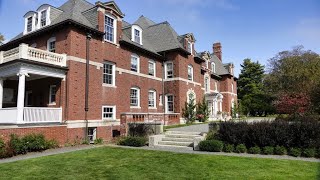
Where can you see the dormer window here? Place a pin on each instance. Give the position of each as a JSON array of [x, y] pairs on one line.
[[43, 18], [29, 24], [213, 67], [109, 28], [136, 34], [189, 47]]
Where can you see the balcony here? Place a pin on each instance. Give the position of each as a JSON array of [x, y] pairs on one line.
[[33, 54]]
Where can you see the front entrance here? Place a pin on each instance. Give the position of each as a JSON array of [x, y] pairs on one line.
[[214, 101]]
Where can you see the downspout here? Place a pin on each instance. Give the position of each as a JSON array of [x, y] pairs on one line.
[[86, 106]]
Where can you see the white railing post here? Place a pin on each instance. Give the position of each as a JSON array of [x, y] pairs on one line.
[[23, 51], [1, 92], [20, 102], [1, 57], [64, 60]]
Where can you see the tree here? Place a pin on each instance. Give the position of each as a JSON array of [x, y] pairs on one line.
[[293, 76], [254, 99], [1, 38], [203, 111], [188, 112]]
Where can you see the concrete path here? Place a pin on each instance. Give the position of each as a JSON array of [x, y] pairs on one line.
[[48, 153], [192, 128]]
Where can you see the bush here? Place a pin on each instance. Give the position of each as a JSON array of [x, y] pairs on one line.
[[51, 144], [296, 152], [139, 129], [268, 150], [228, 148], [213, 126], [34, 142], [241, 148], [280, 150], [211, 135], [211, 145], [254, 150], [2, 146], [309, 152], [98, 141], [16, 145], [132, 141]]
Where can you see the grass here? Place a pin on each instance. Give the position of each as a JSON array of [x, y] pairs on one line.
[[120, 163]]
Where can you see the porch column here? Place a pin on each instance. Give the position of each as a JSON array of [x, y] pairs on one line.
[[1, 92], [20, 102]]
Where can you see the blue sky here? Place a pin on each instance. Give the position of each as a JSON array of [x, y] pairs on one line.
[[255, 29]]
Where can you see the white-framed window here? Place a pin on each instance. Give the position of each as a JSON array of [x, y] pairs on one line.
[[190, 72], [152, 98], [169, 70], [52, 94], [152, 68], [135, 97], [207, 84], [169, 103], [51, 44], [135, 63], [43, 18], [110, 27], [189, 47], [29, 23], [136, 34], [190, 97], [213, 67], [108, 112], [92, 134], [109, 73]]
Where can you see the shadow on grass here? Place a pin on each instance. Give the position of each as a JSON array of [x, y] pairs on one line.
[[318, 175]]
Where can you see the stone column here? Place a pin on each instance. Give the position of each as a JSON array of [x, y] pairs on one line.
[[21, 93], [1, 92]]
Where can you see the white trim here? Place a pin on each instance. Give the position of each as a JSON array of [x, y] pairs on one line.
[[138, 97], [120, 70], [191, 91], [213, 67], [166, 101], [50, 94], [154, 67], [93, 63], [166, 69], [40, 10], [138, 28], [113, 84], [92, 123], [154, 99], [182, 79], [114, 112], [206, 77], [229, 93], [191, 67], [52, 39], [114, 28], [138, 62]]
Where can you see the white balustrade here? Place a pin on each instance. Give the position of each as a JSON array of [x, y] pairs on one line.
[[33, 54], [8, 115], [42, 115]]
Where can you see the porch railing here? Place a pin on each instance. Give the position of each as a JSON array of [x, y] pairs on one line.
[[33, 54], [42, 115], [8, 116]]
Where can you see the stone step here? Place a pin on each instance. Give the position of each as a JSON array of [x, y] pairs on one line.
[[175, 143], [173, 148], [190, 136], [178, 139], [183, 132]]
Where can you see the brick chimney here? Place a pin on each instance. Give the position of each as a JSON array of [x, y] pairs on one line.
[[217, 50]]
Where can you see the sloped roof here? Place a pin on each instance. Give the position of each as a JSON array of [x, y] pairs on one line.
[[221, 69]]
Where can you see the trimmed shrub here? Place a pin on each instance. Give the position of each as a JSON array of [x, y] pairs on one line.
[[268, 150], [241, 148], [132, 141], [34, 142], [98, 141], [211, 145], [254, 150], [211, 135], [228, 148], [280, 150], [296, 152], [52, 144], [16, 145], [309, 152], [213, 126]]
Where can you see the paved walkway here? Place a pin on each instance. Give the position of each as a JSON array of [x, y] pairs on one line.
[[192, 128]]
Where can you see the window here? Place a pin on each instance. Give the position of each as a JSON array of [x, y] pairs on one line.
[[213, 67], [92, 134], [152, 99], [191, 97], [190, 72], [108, 112], [169, 107], [135, 97], [206, 84], [169, 70], [137, 36], [109, 73], [52, 94], [51, 44], [109, 28], [135, 63], [189, 47], [43, 19], [152, 68], [29, 24]]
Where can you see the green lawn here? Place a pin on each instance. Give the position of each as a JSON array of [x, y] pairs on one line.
[[119, 163]]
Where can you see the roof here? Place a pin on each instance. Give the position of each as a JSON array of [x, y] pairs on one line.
[[221, 69]]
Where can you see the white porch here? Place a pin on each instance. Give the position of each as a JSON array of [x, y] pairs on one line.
[[22, 65], [214, 101]]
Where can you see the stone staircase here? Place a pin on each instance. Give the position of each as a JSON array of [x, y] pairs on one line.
[[178, 139]]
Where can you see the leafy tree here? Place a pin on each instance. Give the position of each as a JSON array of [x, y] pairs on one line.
[[188, 112], [203, 111], [254, 99], [1, 38]]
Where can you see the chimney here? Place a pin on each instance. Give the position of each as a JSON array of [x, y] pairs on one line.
[[217, 50]]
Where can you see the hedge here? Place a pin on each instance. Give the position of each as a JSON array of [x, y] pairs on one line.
[[132, 141], [300, 134], [211, 145]]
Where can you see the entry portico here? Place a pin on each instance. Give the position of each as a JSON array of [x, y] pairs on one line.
[[214, 101]]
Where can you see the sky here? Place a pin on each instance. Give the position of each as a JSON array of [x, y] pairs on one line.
[[256, 29]]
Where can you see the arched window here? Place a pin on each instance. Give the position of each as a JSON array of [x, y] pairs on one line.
[[207, 84], [213, 67], [190, 73]]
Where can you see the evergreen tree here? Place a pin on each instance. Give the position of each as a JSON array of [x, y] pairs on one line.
[[188, 112], [203, 111]]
